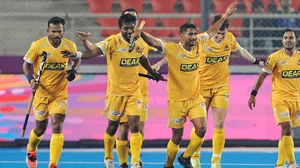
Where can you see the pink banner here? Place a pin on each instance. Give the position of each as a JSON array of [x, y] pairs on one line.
[[86, 103]]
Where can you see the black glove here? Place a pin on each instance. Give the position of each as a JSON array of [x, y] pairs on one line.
[[157, 76], [258, 60], [71, 74]]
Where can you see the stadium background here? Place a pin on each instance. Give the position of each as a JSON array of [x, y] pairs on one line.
[[23, 21]]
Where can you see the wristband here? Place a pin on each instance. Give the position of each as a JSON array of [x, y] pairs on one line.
[[78, 55], [256, 61], [253, 92], [29, 77]]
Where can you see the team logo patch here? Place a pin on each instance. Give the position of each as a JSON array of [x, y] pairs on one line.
[[139, 104], [215, 60], [226, 48], [129, 62]]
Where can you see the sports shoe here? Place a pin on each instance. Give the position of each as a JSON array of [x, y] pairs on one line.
[[31, 159], [293, 165], [109, 163], [53, 165], [185, 162], [136, 165], [124, 165], [215, 165], [195, 163], [276, 166]]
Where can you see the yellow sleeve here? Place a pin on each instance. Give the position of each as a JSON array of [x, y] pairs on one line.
[[271, 64], [235, 44], [32, 54], [202, 40], [108, 45], [168, 48], [74, 47]]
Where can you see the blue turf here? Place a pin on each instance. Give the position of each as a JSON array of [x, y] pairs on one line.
[[15, 158]]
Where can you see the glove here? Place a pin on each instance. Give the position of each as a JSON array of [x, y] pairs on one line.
[[157, 76], [71, 74]]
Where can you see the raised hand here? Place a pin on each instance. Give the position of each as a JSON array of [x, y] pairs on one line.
[[231, 9], [82, 35]]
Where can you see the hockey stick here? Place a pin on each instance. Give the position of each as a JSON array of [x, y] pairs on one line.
[[37, 81], [151, 77]]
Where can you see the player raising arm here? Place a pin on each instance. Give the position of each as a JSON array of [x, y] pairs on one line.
[[184, 99], [123, 89]]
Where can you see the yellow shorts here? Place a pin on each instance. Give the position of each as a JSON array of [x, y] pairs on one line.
[[43, 107], [118, 106], [178, 110], [285, 111], [144, 111], [217, 97]]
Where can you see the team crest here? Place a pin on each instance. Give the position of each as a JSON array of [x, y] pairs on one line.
[[226, 48], [138, 49]]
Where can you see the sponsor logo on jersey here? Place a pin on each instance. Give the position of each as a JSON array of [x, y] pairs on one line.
[[182, 55], [177, 120], [115, 113], [282, 63], [129, 62], [122, 50], [290, 74], [215, 60], [55, 66], [189, 67]]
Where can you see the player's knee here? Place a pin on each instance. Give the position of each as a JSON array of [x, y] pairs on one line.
[[134, 127], [286, 129], [200, 130], [176, 139], [112, 127], [219, 124], [40, 131], [57, 127], [123, 131]]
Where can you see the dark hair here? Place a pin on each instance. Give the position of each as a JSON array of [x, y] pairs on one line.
[[127, 18], [257, 3], [56, 20], [226, 23], [186, 26], [130, 10], [289, 30]]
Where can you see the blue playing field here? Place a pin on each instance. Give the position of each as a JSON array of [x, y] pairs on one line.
[[152, 158]]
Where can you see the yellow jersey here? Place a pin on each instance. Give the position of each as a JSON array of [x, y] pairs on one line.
[[183, 75], [285, 72], [52, 80], [214, 62], [122, 66], [143, 80]]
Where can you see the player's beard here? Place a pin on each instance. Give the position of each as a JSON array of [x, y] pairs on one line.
[[56, 40]]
